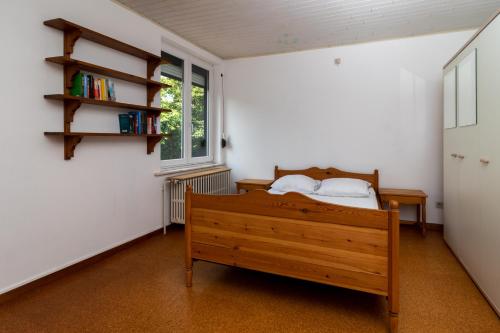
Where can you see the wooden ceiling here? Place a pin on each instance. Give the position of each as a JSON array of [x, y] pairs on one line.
[[243, 28]]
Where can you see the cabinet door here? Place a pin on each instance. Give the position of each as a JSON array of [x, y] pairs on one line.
[[489, 124], [466, 90], [450, 99], [469, 200], [452, 226]]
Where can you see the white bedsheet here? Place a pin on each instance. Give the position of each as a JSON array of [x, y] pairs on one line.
[[367, 202]]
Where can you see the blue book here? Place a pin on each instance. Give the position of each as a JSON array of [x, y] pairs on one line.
[[85, 86], [139, 123]]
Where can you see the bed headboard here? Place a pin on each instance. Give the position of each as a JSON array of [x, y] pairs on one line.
[[320, 174]]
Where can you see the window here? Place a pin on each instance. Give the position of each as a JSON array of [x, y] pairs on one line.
[[172, 148], [199, 112], [189, 122]]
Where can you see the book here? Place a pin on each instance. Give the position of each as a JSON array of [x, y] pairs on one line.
[[87, 86], [135, 122], [124, 120], [96, 89], [111, 90], [103, 89], [77, 87], [91, 87], [149, 129], [139, 122], [84, 77], [108, 92]]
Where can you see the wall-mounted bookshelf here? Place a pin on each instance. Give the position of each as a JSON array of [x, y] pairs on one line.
[[72, 32], [111, 104], [74, 138]]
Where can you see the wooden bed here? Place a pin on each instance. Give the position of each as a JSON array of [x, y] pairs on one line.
[[296, 236]]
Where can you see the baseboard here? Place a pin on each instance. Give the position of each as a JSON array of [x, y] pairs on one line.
[[493, 307], [430, 226], [13, 293]]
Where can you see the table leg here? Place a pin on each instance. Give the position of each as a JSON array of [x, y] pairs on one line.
[[424, 219], [419, 216]]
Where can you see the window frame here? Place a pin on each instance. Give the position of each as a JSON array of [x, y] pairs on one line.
[[187, 159]]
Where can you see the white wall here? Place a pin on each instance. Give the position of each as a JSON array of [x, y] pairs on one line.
[[55, 212], [380, 108]]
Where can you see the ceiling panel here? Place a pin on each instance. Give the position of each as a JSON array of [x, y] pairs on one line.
[[243, 28]]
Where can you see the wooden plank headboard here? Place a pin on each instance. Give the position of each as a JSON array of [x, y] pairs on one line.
[[320, 174]]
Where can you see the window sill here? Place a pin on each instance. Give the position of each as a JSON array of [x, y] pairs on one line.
[[184, 168]]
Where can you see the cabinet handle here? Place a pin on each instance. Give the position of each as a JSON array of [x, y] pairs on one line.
[[461, 156], [454, 155], [484, 161]]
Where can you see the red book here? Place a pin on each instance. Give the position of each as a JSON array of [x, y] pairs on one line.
[[96, 89]]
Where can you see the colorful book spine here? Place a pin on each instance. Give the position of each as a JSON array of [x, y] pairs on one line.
[[84, 77], [124, 120], [91, 86], [108, 92], [96, 89], [112, 87], [77, 88], [139, 123], [87, 86], [149, 129], [103, 90]]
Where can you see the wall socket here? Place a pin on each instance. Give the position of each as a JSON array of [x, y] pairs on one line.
[[439, 205]]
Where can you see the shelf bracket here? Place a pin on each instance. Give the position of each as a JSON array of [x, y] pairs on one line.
[[69, 72], [152, 141], [152, 91], [70, 143], [152, 65], [70, 107], [70, 38]]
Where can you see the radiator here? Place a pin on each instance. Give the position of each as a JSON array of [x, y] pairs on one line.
[[216, 181]]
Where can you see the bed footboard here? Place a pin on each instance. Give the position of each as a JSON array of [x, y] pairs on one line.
[[295, 236]]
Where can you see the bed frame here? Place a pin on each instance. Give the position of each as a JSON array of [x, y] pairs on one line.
[[293, 235]]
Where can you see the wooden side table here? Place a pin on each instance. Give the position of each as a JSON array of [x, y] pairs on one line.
[[253, 184], [408, 197]]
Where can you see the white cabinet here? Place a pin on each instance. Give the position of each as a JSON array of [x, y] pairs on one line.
[[489, 169], [452, 230], [471, 160], [466, 90], [450, 98]]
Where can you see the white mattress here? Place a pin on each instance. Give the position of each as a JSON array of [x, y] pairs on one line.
[[367, 202]]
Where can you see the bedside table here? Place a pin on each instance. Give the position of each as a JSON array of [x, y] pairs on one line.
[[253, 184], [408, 197]]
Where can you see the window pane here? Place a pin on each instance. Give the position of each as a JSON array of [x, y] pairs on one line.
[[199, 112], [171, 98]]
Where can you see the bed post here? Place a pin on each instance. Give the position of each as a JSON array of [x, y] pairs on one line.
[[376, 180], [275, 172], [187, 237], [393, 290]]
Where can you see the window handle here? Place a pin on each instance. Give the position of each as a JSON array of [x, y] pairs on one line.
[[454, 155], [484, 160], [460, 156]]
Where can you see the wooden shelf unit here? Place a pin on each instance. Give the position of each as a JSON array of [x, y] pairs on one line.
[[71, 140], [111, 104], [72, 32], [82, 65]]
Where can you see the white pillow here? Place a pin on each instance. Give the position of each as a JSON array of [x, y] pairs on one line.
[[344, 187], [296, 183]]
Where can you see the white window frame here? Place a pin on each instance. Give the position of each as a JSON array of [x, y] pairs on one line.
[[187, 160]]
